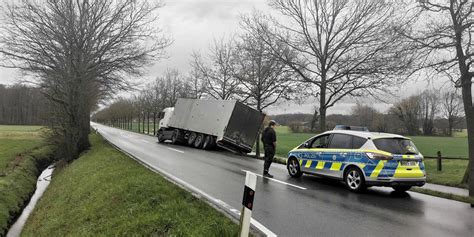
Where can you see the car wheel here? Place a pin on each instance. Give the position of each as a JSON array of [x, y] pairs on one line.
[[401, 188], [191, 138], [198, 141], [161, 137], [354, 179], [293, 167]]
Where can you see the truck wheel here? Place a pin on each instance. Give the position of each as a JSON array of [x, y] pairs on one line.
[[161, 137], [207, 144], [191, 138], [198, 141], [174, 137]]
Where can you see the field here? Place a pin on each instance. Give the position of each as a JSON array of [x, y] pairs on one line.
[[15, 140], [105, 193]]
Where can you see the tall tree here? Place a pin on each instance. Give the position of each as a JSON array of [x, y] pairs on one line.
[[217, 69], [263, 78], [79, 52], [444, 36], [451, 108], [429, 102], [408, 111], [344, 47]]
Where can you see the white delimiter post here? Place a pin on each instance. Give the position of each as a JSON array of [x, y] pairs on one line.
[[247, 203]]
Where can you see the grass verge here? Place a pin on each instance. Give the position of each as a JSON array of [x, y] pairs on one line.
[[18, 182], [451, 174], [104, 192], [443, 195]]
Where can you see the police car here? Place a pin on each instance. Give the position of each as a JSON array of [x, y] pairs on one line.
[[360, 158]]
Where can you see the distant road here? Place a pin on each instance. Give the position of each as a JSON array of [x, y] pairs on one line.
[[309, 206]]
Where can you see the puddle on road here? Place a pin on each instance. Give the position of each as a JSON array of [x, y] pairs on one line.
[[41, 185]]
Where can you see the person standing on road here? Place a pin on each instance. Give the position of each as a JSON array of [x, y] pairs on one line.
[[269, 144]]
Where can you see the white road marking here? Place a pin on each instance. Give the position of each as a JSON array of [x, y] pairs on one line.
[[278, 181], [169, 148], [145, 141]]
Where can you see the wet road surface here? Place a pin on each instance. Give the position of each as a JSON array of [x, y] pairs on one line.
[[309, 206]]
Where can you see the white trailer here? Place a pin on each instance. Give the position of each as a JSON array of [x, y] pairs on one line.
[[206, 123]]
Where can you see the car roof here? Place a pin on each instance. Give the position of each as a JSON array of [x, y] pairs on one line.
[[364, 134]]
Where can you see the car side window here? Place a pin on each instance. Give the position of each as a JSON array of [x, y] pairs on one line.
[[341, 141], [320, 142], [358, 142]]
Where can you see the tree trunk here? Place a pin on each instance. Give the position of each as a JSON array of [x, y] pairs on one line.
[[257, 145], [148, 123], [322, 107], [139, 123], [154, 123], [469, 111], [143, 123]]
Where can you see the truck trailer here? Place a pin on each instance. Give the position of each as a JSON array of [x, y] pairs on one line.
[[204, 124]]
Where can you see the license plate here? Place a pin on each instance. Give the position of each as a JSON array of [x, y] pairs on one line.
[[409, 163]]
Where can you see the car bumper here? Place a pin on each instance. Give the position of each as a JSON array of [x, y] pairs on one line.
[[397, 182]]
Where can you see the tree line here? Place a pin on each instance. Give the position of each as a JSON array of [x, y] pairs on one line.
[[20, 104], [428, 113]]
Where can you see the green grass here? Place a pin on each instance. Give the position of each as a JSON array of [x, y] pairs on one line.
[[449, 146], [463, 133], [451, 173], [444, 195], [15, 140], [22, 157], [105, 193]]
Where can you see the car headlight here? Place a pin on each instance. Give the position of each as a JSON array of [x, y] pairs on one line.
[[378, 156]]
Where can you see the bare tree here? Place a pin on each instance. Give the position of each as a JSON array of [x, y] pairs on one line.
[[263, 78], [444, 36], [428, 109], [79, 52], [451, 109], [217, 69], [344, 48], [408, 111]]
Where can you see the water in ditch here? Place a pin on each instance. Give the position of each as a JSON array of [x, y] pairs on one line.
[[41, 185]]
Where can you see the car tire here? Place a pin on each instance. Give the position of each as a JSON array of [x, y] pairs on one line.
[[401, 189], [191, 138], [161, 136], [293, 167], [198, 141], [354, 179]]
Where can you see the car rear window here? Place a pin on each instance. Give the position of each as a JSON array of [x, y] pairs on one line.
[[396, 145]]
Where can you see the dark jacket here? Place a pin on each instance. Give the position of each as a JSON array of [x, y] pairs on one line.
[[269, 137]]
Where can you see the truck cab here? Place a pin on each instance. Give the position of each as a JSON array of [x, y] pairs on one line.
[[165, 116]]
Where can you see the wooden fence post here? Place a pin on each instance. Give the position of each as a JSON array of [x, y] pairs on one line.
[[440, 167]]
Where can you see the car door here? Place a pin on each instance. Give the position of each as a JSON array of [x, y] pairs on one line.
[[314, 152], [339, 151]]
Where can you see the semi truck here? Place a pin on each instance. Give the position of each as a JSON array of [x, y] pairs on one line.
[[205, 124]]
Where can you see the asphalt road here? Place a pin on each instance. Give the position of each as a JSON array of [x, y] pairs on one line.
[[309, 206]]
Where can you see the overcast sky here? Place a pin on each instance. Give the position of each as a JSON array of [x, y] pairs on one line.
[[193, 24]]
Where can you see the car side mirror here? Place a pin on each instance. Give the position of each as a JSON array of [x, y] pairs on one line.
[[306, 145]]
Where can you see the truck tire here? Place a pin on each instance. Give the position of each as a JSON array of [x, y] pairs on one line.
[[199, 140], [207, 144], [191, 138], [175, 137], [160, 136]]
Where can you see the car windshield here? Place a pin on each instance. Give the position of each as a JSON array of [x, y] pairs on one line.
[[396, 145]]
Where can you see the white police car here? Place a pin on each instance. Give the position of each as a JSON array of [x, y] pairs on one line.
[[360, 158]]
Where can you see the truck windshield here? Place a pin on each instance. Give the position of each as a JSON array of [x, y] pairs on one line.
[[396, 145]]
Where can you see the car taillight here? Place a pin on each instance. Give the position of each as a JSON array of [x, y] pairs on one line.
[[378, 156]]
